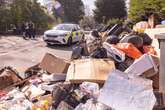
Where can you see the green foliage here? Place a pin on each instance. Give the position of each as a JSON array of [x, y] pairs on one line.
[[5, 16], [73, 10], [87, 22], [109, 9], [20, 11], [139, 10]]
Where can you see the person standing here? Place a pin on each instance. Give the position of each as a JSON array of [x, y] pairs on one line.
[[31, 30], [23, 29], [27, 31]]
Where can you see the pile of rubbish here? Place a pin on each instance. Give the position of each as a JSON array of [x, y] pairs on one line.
[[108, 71]]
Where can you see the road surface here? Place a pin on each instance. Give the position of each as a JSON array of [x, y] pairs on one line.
[[22, 54]]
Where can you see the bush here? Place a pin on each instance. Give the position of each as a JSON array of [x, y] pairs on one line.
[[87, 23], [20, 11]]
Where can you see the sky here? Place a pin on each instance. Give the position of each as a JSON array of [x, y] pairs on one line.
[[90, 4], [87, 3]]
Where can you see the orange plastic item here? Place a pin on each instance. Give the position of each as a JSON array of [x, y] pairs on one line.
[[149, 50], [129, 49]]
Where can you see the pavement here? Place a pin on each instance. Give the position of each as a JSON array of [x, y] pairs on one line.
[[22, 54]]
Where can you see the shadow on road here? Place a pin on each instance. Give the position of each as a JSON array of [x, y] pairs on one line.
[[61, 47]]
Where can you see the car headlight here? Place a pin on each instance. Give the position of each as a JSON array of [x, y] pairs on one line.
[[63, 35], [44, 37], [64, 40]]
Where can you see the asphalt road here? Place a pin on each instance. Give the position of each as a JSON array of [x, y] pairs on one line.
[[22, 54]]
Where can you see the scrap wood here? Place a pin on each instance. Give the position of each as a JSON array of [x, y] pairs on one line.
[[19, 83], [11, 69], [8, 76]]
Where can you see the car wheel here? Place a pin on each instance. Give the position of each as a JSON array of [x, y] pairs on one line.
[[49, 44], [69, 41]]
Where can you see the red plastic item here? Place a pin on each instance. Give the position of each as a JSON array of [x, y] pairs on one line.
[[3, 93], [150, 50], [129, 49]]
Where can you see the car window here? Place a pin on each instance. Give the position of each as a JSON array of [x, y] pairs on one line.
[[78, 27], [65, 27], [74, 29]]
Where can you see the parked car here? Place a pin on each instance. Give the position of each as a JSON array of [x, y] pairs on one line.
[[63, 34]]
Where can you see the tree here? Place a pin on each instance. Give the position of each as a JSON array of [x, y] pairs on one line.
[[25, 10], [38, 16], [73, 10], [5, 16], [139, 10], [109, 9], [19, 11], [87, 22]]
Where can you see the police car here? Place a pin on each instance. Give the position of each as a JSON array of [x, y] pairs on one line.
[[63, 34]]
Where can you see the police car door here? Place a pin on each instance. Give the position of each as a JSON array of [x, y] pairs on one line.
[[74, 34], [78, 33]]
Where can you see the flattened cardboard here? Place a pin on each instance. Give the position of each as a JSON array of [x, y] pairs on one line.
[[93, 70], [7, 78], [53, 64]]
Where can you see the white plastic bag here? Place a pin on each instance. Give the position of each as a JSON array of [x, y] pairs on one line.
[[90, 88]]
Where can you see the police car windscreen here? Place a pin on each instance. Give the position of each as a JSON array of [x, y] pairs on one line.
[[65, 27]]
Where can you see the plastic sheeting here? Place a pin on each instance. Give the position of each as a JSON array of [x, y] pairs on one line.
[[123, 93]]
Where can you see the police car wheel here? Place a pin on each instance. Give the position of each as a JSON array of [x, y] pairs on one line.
[[49, 44], [69, 41]]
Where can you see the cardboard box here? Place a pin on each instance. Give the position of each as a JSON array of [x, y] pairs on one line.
[[159, 98], [141, 65], [155, 80], [8, 77], [53, 64], [147, 67], [151, 72], [93, 70]]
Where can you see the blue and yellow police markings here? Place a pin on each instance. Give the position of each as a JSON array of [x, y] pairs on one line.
[[79, 35], [76, 36], [67, 36]]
